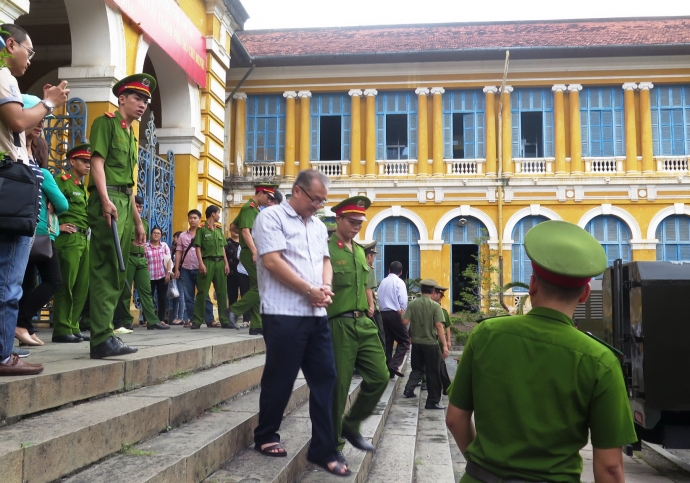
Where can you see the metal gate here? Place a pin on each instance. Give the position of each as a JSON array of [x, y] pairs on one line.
[[156, 183], [63, 132]]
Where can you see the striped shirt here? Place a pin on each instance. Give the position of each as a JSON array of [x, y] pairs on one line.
[[156, 258], [38, 172], [302, 246]]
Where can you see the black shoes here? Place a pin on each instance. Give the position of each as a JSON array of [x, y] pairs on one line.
[[395, 372], [67, 338], [158, 326], [409, 394], [194, 327], [356, 440], [83, 336], [111, 347], [233, 319], [256, 332], [231, 325], [434, 406]]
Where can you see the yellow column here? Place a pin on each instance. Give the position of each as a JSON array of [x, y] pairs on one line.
[[355, 134], [370, 156], [437, 147], [646, 127], [490, 129], [304, 130], [238, 160], [422, 132], [559, 129], [507, 150], [290, 134], [630, 129], [575, 129]]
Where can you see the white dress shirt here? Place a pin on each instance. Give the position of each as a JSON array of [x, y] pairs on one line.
[[392, 293]]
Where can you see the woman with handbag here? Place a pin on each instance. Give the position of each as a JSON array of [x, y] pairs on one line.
[[43, 256]]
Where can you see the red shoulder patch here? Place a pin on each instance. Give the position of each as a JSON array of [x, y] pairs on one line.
[[251, 203], [123, 124], [341, 244], [109, 114], [76, 182], [65, 177]]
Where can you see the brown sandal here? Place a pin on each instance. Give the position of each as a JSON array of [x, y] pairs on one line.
[[213, 325]]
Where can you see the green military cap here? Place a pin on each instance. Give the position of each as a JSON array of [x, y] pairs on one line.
[[141, 83], [353, 207], [370, 247], [441, 289], [428, 282], [268, 188], [82, 151], [564, 254]]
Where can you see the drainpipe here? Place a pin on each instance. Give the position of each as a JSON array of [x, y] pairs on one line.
[[501, 182]]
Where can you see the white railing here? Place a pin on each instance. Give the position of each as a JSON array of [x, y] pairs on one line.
[[672, 164], [331, 168], [463, 167], [396, 167], [604, 165], [263, 169], [533, 166]]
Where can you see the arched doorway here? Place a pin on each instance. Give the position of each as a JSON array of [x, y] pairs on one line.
[[673, 234], [462, 234], [614, 236], [398, 238]]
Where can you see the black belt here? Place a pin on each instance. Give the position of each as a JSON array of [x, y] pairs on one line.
[[217, 259], [78, 230], [473, 469], [138, 255], [355, 314], [121, 189]]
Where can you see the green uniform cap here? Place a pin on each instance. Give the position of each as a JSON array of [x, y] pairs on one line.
[[80, 151], [141, 83], [428, 282], [564, 254], [268, 188], [370, 247], [441, 289], [353, 207]]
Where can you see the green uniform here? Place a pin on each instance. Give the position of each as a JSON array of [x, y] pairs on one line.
[[372, 283], [250, 300], [212, 244], [111, 140], [356, 342], [137, 273], [536, 407], [73, 254], [445, 378]]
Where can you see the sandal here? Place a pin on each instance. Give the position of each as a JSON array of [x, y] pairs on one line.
[[337, 470], [187, 324], [176, 322], [271, 450], [213, 325]]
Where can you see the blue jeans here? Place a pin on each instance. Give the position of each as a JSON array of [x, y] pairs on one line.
[[189, 284], [179, 309], [14, 255]]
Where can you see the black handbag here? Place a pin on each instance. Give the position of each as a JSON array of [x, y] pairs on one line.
[[18, 197], [42, 249]]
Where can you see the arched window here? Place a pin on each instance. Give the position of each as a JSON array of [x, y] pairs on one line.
[[454, 233], [614, 236], [398, 238], [522, 266], [673, 234]]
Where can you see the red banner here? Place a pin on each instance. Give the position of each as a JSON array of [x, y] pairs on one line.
[[169, 27]]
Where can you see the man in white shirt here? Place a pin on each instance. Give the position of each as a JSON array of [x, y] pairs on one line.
[[295, 275], [393, 302]]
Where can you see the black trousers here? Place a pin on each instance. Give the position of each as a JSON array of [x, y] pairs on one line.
[[238, 282], [293, 343], [34, 297], [395, 332], [445, 378], [426, 359], [161, 288]]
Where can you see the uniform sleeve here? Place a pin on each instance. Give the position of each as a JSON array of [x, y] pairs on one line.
[[461, 391], [610, 420], [198, 237], [268, 233], [438, 314], [100, 136], [371, 281], [247, 218], [446, 318], [51, 190]]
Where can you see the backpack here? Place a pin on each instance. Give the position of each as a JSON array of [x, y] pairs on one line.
[[231, 254]]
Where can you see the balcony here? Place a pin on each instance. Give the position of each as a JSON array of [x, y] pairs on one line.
[[464, 167], [263, 169], [390, 168], [605, 165], [332, 169], [672, 164], [534, 166]]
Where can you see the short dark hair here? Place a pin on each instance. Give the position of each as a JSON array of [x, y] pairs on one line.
[[138, 200], [426, 289], [177, 233], [211, 209], [395, 267], [193, 212], [278, 196], [157, 228], [39, 148], [562, 294], [129, 92], [14, 31]]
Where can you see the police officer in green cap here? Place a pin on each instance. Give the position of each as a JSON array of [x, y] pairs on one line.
[[72, 247], [374, 311], [438, 295], [356, 343], [263, 193], [111, 186], [539, 388]]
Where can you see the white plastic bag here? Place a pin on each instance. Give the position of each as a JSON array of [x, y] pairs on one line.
[[173, 291]]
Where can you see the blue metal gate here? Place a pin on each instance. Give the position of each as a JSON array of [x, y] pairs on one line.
[[63, 132], [156, 183]]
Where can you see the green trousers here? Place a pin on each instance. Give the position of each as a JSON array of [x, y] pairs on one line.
[[69, 300], [215, 273], [250, 300], [106, 280], [137, 272], [356, 344]]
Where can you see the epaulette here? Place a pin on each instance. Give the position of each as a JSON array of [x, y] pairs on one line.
[[65, 177], [251, 204], [109, 114], [615, 351], [341, 245]]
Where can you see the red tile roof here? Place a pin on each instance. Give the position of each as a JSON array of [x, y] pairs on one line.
[[557, 34]]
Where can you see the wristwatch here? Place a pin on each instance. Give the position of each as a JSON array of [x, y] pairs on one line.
[[49, 105]]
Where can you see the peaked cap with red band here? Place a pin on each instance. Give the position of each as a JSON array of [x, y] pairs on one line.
[[564, 254], [141, 83], [268, 188], [354, 208], [80, 151]]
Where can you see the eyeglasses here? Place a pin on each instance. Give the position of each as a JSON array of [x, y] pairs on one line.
[[30, 51], [314, 201]]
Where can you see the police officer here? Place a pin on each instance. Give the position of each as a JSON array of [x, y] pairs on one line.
[[250, 302], [209, 244], [439, 294], [114, 156], [72, 247], [356, 342], [137, 273], [539, 388], [374, 311]]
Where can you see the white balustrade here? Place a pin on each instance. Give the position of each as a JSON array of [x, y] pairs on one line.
[[261, 170], [533, 166], [461, 167], [331, 168], [672, 164], [395, 167]]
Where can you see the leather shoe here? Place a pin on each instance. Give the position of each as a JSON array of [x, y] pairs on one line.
[[194, 327], [233, 319], [83, 336], [256, 332], [356, 440], [17, 367], [395, 372], [231, 325], [67, 338], [158, 326], [409, 394], [434, 406], [113, 346]]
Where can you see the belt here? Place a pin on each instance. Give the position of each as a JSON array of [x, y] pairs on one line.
[[121, 189], [79, 230], [217, 259], [355, 314], [138, 255], [473, 469]]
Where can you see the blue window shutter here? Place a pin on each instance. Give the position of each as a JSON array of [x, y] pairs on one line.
[[619, 132], [480, 138], [548, 134], [677, 131], [345, 120], [412, 135], [447, 135], [515, 127], [272, 139], [316, 102], [380, 136], [595, 133], [607, 143], [251, 141], [315, 139], [468, 135], [656, 145], [665, 129], [584, 123], [281, 139]]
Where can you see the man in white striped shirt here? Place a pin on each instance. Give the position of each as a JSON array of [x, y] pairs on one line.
[[294, 274]]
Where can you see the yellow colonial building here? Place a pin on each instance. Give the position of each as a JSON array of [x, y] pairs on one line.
[[592, 127]]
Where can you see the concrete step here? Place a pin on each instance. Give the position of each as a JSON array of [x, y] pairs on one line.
[[70, 376], [51, 445]]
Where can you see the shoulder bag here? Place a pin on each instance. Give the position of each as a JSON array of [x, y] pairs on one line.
[[18, 197]]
